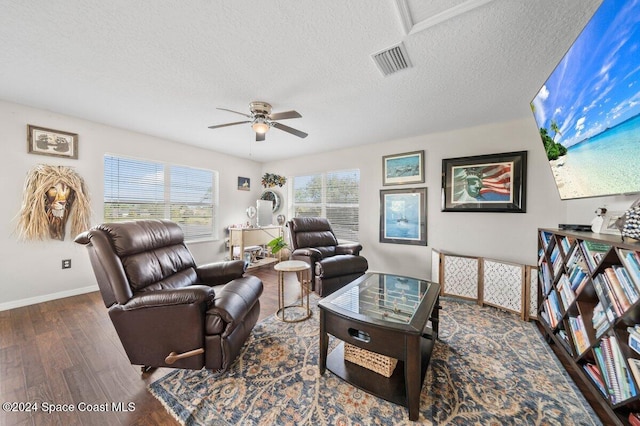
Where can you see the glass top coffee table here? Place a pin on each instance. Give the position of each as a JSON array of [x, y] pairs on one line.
[[389, 315]]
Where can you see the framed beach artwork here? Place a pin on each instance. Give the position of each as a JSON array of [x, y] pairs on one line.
[[587, 111], [403, 168], [485, 183], [403, 216], [56, 143]]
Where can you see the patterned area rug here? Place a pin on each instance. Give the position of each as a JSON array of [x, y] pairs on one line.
[[487, 368]]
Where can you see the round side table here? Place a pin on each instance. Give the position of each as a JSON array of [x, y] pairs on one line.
[[303, 272]]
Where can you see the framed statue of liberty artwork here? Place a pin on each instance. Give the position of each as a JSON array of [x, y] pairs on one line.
[[485, 183]]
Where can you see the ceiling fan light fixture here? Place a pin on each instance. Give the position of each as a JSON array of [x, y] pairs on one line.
[[261, 120], [260, 125]]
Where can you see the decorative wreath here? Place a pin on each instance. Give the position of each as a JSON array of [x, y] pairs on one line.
[[270, 180]]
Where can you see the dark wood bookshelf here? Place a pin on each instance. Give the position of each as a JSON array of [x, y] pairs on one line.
[[560, 252]]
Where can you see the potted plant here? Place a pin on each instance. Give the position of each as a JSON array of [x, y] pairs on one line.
[[277, 244]]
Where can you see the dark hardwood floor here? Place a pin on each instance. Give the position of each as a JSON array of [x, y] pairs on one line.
[[66, 352]]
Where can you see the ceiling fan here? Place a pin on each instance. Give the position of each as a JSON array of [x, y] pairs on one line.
[[262, 120]]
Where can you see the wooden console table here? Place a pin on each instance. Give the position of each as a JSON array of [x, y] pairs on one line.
[[244, 237]]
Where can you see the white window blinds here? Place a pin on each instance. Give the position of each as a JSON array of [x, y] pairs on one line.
[[333, 195], [141, 189]]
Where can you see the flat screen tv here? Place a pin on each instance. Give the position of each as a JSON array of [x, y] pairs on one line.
[[588, 111]]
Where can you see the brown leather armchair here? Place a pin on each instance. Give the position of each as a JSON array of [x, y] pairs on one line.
[[333, 265], [167, 311]]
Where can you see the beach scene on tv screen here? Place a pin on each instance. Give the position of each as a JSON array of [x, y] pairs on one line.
[[588, 111]]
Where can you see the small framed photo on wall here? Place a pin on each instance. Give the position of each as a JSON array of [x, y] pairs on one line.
[[244, 184], [56, 143], [405, 168]]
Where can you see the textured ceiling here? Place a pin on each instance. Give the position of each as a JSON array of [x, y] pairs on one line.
[[162, 67]]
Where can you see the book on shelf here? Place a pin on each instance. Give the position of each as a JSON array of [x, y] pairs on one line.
[[566, 294], [546, 238], [617, 290], [622, 386], [627, 283], [594, 373], [634, 365], [579, 334], [578, 270], [575, 258], [599, 320], [594, 252], [566, 242], [610, 368], [556, 260], [631, 261], [545, 315], [576, 277], [598, 352], [582, 285], [634, 341], [605, 298], [546, 277], [627, 384], [553, 305]]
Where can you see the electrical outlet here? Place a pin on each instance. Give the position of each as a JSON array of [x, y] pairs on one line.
[[66, 263]]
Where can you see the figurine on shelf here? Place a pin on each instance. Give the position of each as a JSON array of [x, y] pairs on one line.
[[596, 223]]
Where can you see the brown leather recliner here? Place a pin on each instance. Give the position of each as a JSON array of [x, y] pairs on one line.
[[333, 265], [167, 311]]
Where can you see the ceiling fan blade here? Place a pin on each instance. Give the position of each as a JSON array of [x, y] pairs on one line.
[[260, 137], [284, 115], [290, 130], [229, 124], [235, 112]]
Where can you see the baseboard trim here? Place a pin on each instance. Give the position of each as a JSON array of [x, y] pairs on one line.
[[47, 297]]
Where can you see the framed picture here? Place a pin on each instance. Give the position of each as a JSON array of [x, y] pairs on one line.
[[403, 216], [403, 168], [244, 184], [51, 142], [609, 223], [485, 183]]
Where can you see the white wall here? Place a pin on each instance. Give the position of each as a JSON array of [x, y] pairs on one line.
[[502, 236], [31, 271]]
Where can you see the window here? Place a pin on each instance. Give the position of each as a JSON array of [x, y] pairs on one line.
[[334, 195], [141, 189]]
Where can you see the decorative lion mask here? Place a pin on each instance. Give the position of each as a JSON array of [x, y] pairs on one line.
[[52, 195]]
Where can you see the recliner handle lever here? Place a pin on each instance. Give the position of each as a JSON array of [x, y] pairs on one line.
[[174, 356]]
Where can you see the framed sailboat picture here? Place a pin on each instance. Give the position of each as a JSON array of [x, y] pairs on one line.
[[403, 216]]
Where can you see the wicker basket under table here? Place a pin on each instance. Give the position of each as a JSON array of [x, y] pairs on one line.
[[381, 364]]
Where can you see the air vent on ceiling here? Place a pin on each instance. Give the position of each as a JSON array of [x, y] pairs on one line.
[[392, 60]]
